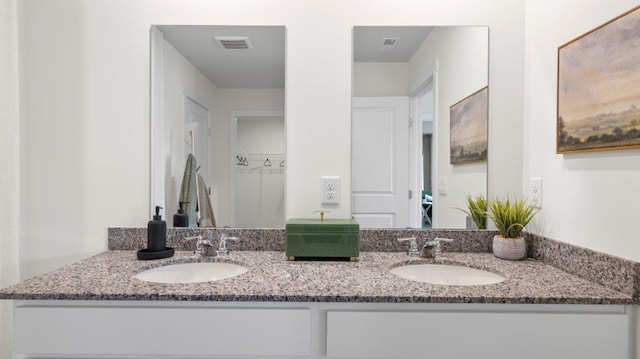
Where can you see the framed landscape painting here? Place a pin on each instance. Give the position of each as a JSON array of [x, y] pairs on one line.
[[599, 88], [468, 121]]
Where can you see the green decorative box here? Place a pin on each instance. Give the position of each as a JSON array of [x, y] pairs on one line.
[[328, 238]]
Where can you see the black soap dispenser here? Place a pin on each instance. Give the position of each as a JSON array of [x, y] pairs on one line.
[[181, 219], [156, 239], [157, 233]]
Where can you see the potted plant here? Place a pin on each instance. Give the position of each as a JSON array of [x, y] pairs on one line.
[[510, 218], [476, 210]]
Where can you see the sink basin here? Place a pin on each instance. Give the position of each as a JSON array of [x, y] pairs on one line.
[[191, 272], [446, 274]]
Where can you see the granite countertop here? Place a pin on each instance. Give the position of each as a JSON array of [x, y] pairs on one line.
[[109, 276]]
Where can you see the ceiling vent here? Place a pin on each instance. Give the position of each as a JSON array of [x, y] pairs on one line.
[[234, 42], [389, 43]]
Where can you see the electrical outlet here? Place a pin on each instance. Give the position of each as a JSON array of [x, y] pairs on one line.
[[330, 190], [535, 191]]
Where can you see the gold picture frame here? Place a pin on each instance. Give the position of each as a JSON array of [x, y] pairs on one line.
[[468, 128], [598, 94]]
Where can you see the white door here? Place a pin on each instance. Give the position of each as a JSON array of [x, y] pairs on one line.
[[196, 120], [380, 162]]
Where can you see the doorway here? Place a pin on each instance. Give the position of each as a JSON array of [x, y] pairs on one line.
[[257, 169], [380, 162], [423, 157]]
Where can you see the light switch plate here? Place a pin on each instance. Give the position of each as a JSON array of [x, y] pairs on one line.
[[442, 186]]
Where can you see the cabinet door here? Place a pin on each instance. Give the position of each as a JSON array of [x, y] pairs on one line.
[[158, 331], [496, 335]]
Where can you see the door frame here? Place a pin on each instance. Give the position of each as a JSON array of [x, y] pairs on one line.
[[233, 150], [156, 121], [419, 87], [209, 145]]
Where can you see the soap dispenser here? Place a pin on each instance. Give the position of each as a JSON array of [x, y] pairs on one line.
[[156, 239], [181, 219], [157, 233]]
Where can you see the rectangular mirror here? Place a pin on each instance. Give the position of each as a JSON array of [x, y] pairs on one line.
[[405, 81], [218, 92]]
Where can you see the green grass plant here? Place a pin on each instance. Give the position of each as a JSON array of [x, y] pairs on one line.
[[477, 210], [511, 216]]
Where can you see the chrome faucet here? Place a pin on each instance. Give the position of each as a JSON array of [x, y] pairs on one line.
[[222, 243], [204, 247], [431, 247]]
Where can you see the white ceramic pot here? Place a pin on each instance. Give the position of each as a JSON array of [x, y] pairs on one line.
[[512, 249]]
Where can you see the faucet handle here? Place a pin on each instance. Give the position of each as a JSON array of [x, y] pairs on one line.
[[224, 236], [222, 244], [413, 245], [198, 240], [437, 241]]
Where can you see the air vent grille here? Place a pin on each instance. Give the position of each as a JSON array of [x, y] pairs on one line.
[[389, 43], [234, 42]]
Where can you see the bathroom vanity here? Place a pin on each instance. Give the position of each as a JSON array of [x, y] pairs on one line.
[[96, 308], [73, 329]]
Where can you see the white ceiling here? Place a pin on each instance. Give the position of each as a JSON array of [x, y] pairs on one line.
[[260, 67], [264, 65], [368, 40]]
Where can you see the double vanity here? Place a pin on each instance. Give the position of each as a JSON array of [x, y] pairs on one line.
[[432, 273], [256, 303]]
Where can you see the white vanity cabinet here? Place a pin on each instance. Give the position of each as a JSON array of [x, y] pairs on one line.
[[123, 329], [476, 333], [147, 329]]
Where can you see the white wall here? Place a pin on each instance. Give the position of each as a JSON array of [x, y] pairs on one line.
[[589, 199], [260, 188], [261, 135], [180, 78], [86, 165], [462, 57], [380, 79], [9, 164], [84, 148], [234, 100]]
